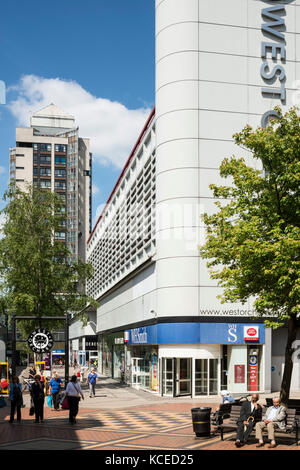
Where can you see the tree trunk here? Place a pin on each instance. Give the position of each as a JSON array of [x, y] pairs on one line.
[[288, 365]]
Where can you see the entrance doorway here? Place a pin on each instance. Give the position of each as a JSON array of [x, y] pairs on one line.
[[176, 376], [206, 376], [183, 376]]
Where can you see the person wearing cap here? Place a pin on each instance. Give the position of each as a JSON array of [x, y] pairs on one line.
[[226, 397], [219, 415], [91, 380]]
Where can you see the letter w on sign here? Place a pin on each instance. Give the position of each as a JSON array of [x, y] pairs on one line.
[[271, 26]]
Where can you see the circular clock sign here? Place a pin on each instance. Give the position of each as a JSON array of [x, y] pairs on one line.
[[40, 340]]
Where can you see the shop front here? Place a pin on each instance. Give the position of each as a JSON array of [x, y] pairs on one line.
[[111, 351], [195, 359]]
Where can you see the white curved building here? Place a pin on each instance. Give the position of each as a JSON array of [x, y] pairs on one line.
[[219, 66]]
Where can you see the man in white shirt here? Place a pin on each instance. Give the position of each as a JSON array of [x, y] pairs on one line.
[[275, 417]]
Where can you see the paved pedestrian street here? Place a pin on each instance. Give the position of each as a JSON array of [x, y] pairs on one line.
[[161, 426]]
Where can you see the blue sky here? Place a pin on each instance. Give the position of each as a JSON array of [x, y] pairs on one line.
[[95, 59]]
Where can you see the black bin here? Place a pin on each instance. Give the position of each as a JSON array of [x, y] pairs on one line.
[[201, 421]]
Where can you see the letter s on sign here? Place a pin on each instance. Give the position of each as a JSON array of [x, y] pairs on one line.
[[233, 337]]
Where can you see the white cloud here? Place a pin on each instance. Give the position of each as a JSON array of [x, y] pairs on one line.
[[99, 209], [95, 189], [112, 128]]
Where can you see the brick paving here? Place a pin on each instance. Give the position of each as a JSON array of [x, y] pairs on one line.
[[164, 426]]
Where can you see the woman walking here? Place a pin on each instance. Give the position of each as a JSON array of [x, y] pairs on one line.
[[73, 392], [55, 389], [16, 399], [38, 397]]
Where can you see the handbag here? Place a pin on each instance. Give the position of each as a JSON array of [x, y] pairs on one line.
[[49, 401], [2, 402], [31, 411], [65, 404]]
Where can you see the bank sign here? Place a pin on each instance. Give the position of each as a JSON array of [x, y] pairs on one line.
[[197, 333], [273, 53]]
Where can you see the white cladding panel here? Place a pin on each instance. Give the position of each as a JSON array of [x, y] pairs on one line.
[[133, 302], [208, 87], [201, 351]]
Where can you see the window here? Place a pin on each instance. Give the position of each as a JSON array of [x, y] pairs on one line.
[[45, 183], [60, 172], [35, 146], [60, 160], [45, 147], [45, 159], [35, 171], [19, 167], [35, 158], [45, 171], [60, 235], [60, 185], [60, 148]]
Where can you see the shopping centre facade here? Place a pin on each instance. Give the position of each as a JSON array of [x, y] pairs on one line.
[[219, 66]]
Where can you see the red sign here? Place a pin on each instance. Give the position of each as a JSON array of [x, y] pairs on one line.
[[239, 373], [253, 378], [251, 333]]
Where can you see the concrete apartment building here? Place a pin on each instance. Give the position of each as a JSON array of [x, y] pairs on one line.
[[219, 66], [50, 153]]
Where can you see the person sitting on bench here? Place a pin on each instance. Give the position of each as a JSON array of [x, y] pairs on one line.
[[275, 417], [251, 412]]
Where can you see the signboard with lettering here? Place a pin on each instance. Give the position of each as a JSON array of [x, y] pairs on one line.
[[239, 373], [91, 343]]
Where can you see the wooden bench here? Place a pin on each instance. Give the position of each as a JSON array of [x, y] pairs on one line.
[[291, 423]]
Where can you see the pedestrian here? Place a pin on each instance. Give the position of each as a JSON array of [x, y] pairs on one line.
[[274, 418], [250, 414], [31, 373], [91, 380], [73, 392], [54, 390], [82, 371], [38, 397], [16, 399]]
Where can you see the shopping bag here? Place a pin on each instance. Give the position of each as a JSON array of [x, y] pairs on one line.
[[4, 384], [49, 401], [65, 404], [2, 402]]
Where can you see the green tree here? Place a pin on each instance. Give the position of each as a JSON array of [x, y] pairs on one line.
[[255, 234], [36, 274]]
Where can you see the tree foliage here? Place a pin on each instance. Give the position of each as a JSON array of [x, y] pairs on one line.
[[255, 235], [36, 275]]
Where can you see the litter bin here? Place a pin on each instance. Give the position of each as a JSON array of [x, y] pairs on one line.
[[201, 421]]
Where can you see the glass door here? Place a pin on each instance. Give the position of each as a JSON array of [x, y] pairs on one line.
[[136, 371], [213, 376], [183, 376], [167, 376], [201, 377], [206, 376]]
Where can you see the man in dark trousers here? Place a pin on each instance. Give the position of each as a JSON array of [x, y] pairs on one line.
[[251, 412]]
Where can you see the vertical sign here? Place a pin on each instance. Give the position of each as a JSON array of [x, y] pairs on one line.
[[253, 373], [239, 373]]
